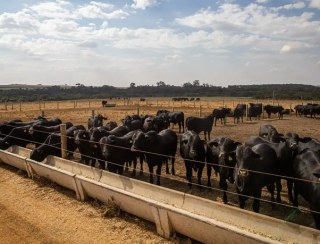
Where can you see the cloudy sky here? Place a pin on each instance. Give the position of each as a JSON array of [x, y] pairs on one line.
[[144, 41]]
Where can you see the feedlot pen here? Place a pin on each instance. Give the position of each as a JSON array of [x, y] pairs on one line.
[[79, 111]]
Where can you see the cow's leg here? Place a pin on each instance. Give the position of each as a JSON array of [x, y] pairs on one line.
[[279, 189], [256, 201], [134, 166], [289, 186], [158, 173], [167, 166], [209, 174], [242, 201], [141, 163], [199, 175], [295, 196], [173, 159], [120, 169], [224, 186], [179, 127], [151, 173], [102, 164], [271, 190], [209, 132], [189, 172]]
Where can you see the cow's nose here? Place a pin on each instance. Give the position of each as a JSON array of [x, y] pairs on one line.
[[193, 153]]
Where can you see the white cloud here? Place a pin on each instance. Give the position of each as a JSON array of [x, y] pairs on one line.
[[314, 4], [143, 4], [297, 5], [262, 1], [285, 49]]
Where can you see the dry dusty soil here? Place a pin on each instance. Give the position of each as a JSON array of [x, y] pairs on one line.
[[38, 211]]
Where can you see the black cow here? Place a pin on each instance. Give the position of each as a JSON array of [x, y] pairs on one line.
[[239, 112], [173, 117], [82, 140], [40, 133], [299, 109], [306, 166], [132, 122], [104, 103], [309, 143], [285, 152], [52, 145], [18, 136], [220, 114], [155, 146], [193, 152], [200, 124], [117, 152], [260, 158], [270, 109], [7, 127], [221, 156], [110, 125], [142, 99], [96, 121], [95, 136], [270, 133], [156, 123], [284, 111], [255, 110]]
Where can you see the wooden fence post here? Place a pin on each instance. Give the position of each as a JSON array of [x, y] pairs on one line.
[[262, 111], [20, 106], [200, 112], [247, 111], [138, 110], [63, 129], [42, 114], [92, 112], [290, 109], [89, 104]]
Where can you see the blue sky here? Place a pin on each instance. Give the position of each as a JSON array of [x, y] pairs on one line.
[[144, 41]]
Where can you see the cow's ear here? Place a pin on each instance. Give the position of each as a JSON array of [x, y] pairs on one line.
[[305, 139]]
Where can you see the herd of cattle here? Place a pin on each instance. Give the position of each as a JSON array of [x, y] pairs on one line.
[[261, 161]]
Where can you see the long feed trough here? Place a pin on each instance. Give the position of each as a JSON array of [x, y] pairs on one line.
[[172, 211]]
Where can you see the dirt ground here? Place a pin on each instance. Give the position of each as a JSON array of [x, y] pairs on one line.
[[38, 211], [54, 214]]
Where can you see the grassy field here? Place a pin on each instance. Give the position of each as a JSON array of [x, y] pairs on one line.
[[78, 112]]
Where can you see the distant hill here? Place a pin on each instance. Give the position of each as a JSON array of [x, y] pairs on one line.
[[20, 92]]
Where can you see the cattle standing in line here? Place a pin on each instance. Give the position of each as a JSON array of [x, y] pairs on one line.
[[96, 121], [193, 152], [200, 124], [284, 111], [306, 166], [222, 152], [260, 158], [220, 114], [155, 146], [173, 117]]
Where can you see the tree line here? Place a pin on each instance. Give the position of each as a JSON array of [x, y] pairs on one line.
[[161, 89]]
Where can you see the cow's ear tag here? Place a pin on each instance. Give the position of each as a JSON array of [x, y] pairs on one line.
[[264, 136], [130, 141], [95, 146], [25, 131], [230, 158], [84, 136]]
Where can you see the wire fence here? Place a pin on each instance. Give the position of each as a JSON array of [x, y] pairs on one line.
[[180, 158]]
